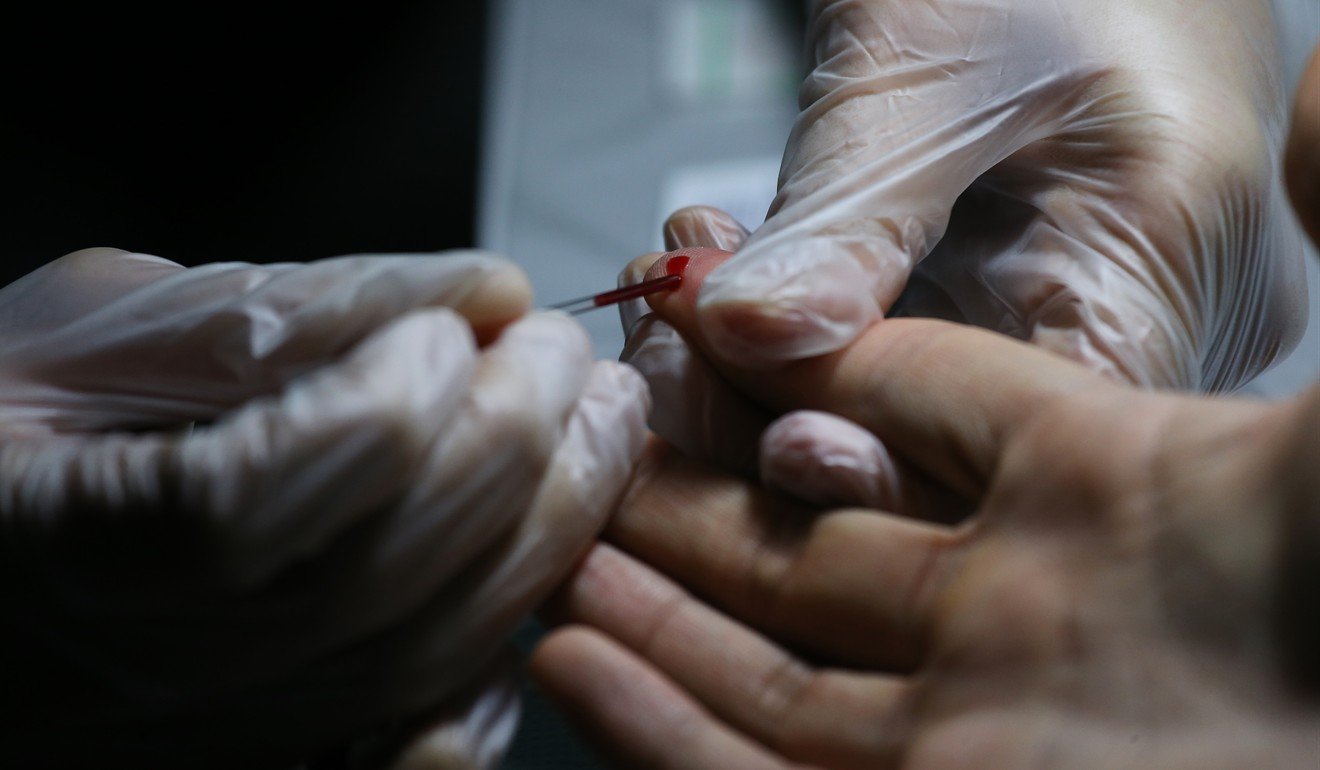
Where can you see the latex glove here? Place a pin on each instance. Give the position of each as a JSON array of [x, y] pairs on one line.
[[1129, 593], [1303, 156], [1100, 178], [814, 456], [374, 505]]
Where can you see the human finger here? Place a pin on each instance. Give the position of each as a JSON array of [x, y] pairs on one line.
[[530, 400], [194, 343], [452, 634], [704, 226], [696, 409], [68, 288], [222, 511], [850, 586], [631, 713], [831, 462], [944, 396], [745, 680], [692, 227], [366, 674], [859, 207]]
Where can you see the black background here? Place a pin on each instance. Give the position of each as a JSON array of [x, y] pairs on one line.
[[205, 132]]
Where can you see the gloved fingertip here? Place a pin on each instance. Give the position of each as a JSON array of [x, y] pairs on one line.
[[501, 298], [618, 400], [759, 335], [550, 331], [703, 226], [761, 314], [623, 383]]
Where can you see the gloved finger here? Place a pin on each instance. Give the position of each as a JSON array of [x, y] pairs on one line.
[[66, 289], [831, 462], [198, 342], [886, 142], [335, 447], [444, 645], [263, 490], [696, 409], [943, 396], [1302, 164], [521, 412], [436, 651], [692, 227], [703, 227]]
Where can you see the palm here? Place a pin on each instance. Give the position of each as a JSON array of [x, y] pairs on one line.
[[1078, 610]]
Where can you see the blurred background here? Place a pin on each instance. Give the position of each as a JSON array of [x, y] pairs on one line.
[[558, 132]]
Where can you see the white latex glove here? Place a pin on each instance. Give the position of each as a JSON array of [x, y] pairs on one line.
[[1115, 170], [373, 506], [816, 457]]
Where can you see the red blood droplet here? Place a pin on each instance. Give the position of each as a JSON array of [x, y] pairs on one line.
[[677, 265]]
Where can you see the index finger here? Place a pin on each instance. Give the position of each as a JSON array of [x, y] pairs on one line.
[[183, 345], [945, 396]]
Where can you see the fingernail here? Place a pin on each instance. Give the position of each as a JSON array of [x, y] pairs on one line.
[[786, 306], [703, 226], [502, 296]]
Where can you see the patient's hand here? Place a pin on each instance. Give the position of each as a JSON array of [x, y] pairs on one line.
[[1110, 602]]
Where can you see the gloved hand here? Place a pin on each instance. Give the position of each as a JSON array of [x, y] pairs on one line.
[[1100, 178], [371, 503], [815, 456]]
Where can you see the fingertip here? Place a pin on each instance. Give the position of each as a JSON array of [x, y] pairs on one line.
[[549, 331], [761, 335], [503, 297], [788, 303], [555, 662], [828, 461], [698, 226], [693, 265]]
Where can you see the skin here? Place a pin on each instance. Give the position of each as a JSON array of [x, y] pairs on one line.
[[1133, 588]]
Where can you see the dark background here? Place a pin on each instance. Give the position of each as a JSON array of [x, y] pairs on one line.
[[205, 132]]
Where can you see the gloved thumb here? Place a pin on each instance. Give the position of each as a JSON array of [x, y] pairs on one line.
[[886, 142]]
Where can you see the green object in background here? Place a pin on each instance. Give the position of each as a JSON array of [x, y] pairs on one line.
[[715, 51]]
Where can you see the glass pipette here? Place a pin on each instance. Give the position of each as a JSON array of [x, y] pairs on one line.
[[669, 282]]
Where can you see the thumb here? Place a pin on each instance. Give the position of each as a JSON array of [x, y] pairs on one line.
[[901, 114], [703, 227]]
